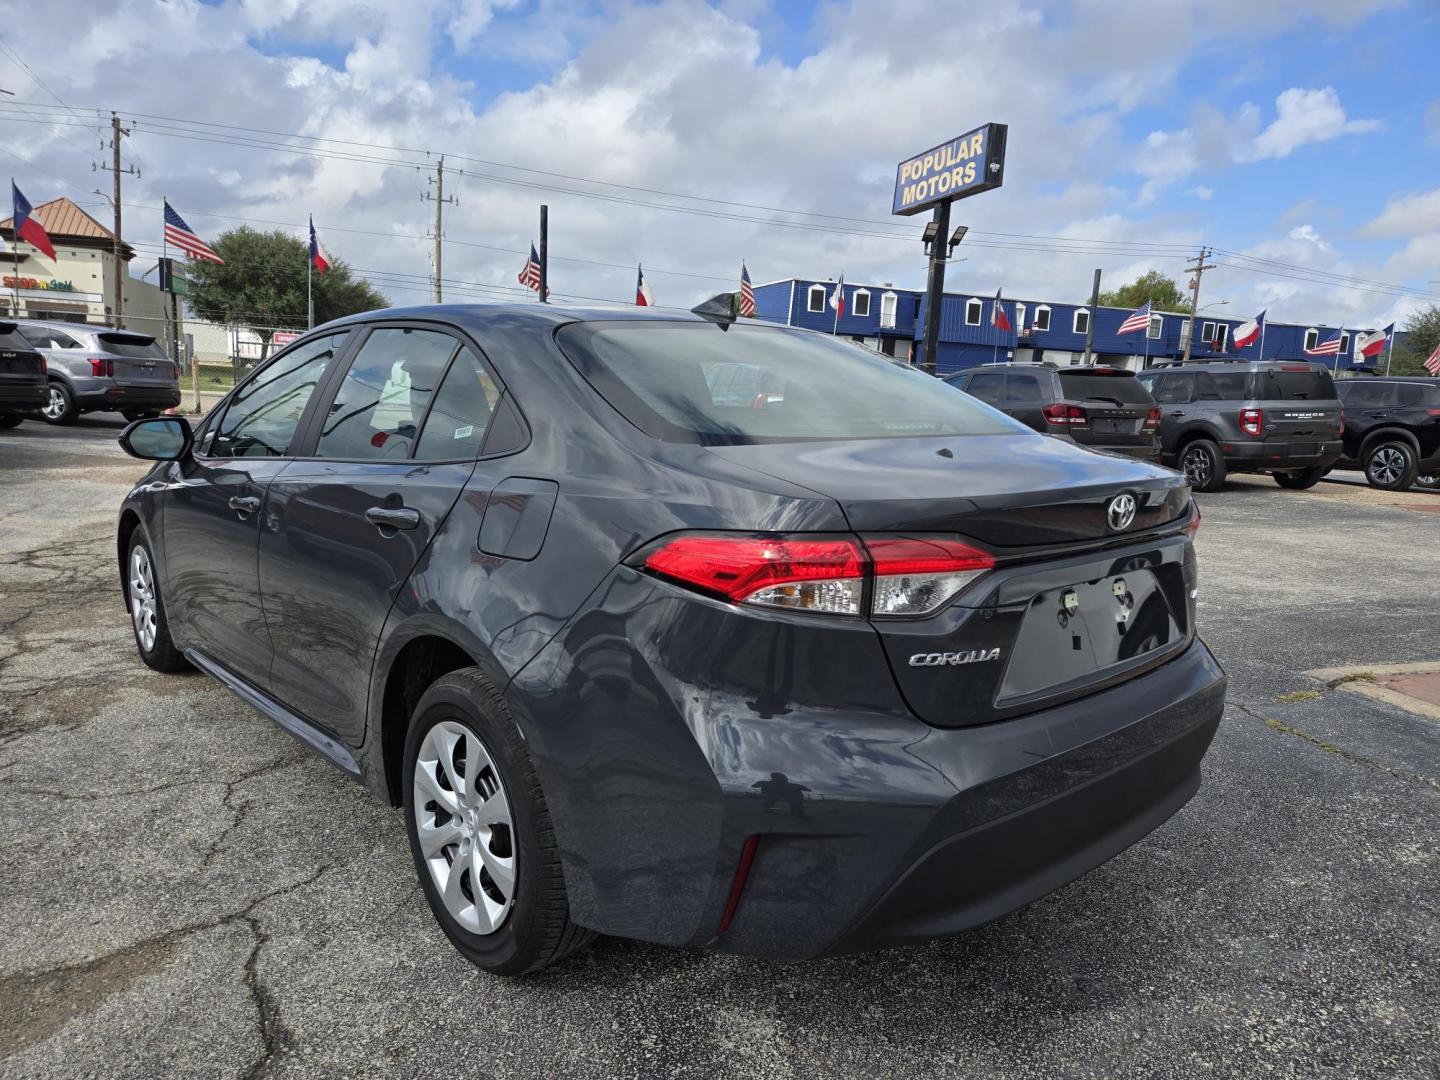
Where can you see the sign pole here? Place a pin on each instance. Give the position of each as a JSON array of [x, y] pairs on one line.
[[544, 254], [935, 288]]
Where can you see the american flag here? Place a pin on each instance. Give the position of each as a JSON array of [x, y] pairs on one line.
[[1139, 319], [1327, 348], [1432, 362], [184, 238], [747, 292], [530, 275]]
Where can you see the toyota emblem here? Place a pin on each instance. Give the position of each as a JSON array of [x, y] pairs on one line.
[[1120, 512]]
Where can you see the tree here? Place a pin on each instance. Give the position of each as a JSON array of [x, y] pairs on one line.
[[1423, 334], [1153, 286], [262, 284]]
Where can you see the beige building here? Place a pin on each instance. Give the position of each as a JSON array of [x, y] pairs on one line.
[[77, 285]]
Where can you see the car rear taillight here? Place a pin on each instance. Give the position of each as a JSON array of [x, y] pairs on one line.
[[1193, 525], [102, 369], [1251, 421], [821, 575], [825, 575], [1341, 429], [1059, 413], [1152, 418], [918, 575]]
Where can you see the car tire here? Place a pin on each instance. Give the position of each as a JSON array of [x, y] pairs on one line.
[[1429, 481], [515, 920], [11, 421], [1390, 465], [1203, 465], [60, 408], [147, 610], [1299, 481]]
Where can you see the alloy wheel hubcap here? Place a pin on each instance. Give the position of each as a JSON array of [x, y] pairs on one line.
[[1197, 466], [464, 826], [142, 598], [1387, 465], [54, 408]]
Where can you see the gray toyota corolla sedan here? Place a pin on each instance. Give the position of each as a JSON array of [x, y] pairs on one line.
[[851, 662]]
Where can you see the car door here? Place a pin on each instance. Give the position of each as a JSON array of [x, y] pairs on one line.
[[215, 505], [1173, 390], [1024, 400], [390, 456], [1359, 403]]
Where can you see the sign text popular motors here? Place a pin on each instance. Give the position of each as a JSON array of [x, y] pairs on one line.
[[965, 166]]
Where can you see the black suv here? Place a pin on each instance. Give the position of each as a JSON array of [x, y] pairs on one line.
[[1104, 408], [1392, 429], [23, 389], [1276, 417]]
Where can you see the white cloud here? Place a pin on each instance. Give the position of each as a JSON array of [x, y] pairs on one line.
[[1201, 192], [1407, 215], [1306, 116]]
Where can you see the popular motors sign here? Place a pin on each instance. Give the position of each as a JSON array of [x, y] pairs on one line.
[[957, 169]]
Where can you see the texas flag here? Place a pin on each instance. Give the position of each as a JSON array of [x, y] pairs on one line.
[[1246, 334], [643, 296], [837, 298], [998, 317], [27, 226], [319, 257], [1371, 343]]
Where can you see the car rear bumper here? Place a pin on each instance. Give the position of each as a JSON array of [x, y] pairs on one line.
[[1150, 453], [1272, 455], [684, 729], [131, 397], [23, 397]]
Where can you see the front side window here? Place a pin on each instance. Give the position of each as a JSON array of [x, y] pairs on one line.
[[972, 312], [460, 415], [262, 415], [1082, 322], [377, 411], [1023, 388], [810, 386], [1170, 389], [988, 386], [860, 304], [816, 298]]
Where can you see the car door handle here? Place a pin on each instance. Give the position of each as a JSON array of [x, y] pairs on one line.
[[245, 504], [1177, 412], [397, 517]]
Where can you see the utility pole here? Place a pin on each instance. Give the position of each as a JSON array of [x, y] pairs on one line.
[[1090, 322], [117, 291], [440, 200], [544, 254], [1199, 268]]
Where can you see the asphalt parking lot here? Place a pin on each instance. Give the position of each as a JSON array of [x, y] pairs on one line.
[[186, 891]]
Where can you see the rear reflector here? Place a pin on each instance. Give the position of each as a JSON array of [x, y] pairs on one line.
[[917, 575], [737, 884], [805, 575]]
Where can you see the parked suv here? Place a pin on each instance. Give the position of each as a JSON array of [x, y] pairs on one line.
[[852, 662], [1274, 417], [1392, 429], [22, 377], [1104, 408], [95, 367]]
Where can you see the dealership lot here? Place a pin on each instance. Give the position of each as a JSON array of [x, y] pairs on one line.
[[189, 891]]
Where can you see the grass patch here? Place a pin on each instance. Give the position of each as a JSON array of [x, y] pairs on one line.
[[1286, 729], [1298, 695], [1359, 676]]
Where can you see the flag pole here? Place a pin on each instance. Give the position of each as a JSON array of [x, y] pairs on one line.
[[15, 242], [1390, 352], [839, 299], [1263, 321], [310, 277]]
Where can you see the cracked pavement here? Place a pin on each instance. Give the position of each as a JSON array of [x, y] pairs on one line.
[[189, 892]]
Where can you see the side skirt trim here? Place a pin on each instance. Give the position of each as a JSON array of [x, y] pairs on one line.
[[268, 707]]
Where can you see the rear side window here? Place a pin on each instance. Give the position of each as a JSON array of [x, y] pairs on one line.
[[460, 414], [988, 386], [1223, 385], [42, 337], [657, 375], [140, 346], [1022, 388], [262, 416], [1416, 394], [1277, 384], [378, 408], [1126, 389]]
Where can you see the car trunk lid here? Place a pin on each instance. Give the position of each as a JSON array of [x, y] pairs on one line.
[[19, 362], [136, 360], [1115, 406]]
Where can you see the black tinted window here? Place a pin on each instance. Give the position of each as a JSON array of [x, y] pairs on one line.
[[12, 341], [377, 410], [137, 345], [988, 386], [1223, 385], [42, 337], [1023, 388], [262, 416], [656, 375], [1305, 384], [1416, 394], [1358, 395], [455, 426], [1170, 389], [1082, 386]]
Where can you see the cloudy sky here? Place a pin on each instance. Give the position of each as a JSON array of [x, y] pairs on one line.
[[1302, 144]]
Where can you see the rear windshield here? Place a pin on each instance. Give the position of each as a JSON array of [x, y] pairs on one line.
[[1277, 384], [692, 382], [12, 341], [1089, 386], [131, 345]]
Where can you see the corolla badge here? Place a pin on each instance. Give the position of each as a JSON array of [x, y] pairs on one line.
[[953, 659], [1120, 512]]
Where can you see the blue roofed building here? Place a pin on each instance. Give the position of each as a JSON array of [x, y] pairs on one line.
[[891, 320]]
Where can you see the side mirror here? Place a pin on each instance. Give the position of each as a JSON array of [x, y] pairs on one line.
[[159, 438]]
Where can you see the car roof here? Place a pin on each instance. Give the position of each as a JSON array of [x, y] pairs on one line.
[[1243, 365], [1423, 380], [542, 316]]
